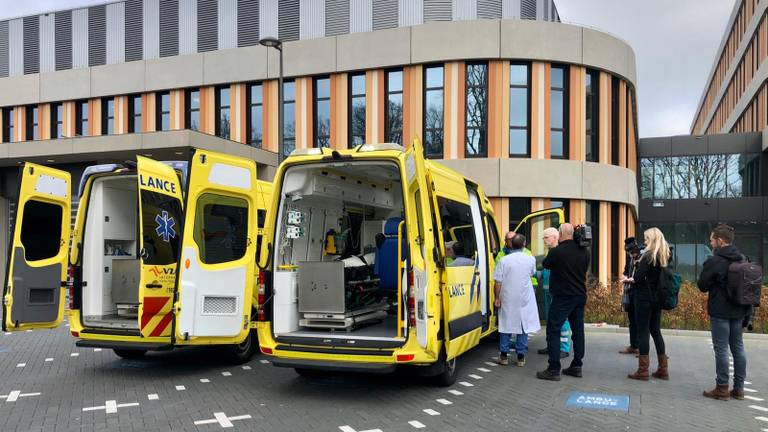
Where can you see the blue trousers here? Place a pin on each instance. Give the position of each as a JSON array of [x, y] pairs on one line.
[[728, 334], [521, 343]]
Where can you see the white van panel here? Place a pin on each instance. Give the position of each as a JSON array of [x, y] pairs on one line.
[[286, 304], [51, 186], [232, 176]]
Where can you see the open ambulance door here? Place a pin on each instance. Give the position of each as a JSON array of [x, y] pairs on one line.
[[533, 226], [216, 270], [422, 232], [36, 272]]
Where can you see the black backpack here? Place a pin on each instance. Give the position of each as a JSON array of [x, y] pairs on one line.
[[745, 282], [668, 288]]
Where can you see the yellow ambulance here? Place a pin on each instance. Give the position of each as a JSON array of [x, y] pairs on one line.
[[355, 269], [162, 254]]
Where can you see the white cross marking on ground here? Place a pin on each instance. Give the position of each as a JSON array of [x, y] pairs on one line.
[[752, 398], [21, 365], [180, 388], [475, 376], [74, 354], [153, 396], [96, 349], [110, 406], [226, 373], [222, 420], [455, 392], [49, 359], [444, 401], [431, 412], [749, 390], [14, 395], [466, 384], [491, 364], [264, 361], [416, 424], [483, 370], [246, 368], [759, 408], [347, 428], [204, 380]]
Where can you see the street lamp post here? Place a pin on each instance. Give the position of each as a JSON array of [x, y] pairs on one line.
[[272, 42]]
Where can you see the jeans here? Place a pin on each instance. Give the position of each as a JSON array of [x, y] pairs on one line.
[[569, 308], [565, 332], [634, 337], [521, 344], [648, 325], [728, 333]]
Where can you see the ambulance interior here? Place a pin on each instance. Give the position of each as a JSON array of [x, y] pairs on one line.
[[111, 266], [336, 257]]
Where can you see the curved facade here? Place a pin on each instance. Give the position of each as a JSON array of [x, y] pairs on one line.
[[541, 114]]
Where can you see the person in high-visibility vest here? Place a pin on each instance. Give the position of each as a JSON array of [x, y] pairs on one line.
[[507, 249]]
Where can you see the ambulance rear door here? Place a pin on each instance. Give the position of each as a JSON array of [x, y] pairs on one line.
[[36, 271]]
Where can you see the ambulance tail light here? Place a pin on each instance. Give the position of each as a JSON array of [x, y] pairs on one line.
[[71, 287], [411, 301], [262, 297], [267, 351], [405, 357]]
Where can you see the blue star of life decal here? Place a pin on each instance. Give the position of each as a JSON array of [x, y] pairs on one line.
[[165, 226]]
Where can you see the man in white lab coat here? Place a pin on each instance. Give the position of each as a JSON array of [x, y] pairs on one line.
[[516, 300]]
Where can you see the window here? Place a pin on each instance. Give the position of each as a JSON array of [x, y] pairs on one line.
[[477, 110], [57, 120], [615, 121], [254, 115], [357, 110], [592, 88], [434, 91], [41, 230], [289, 117], [493, 235], [221, 228], [458, 227], [192, 111], [134, 114], [223, 104], [563, 204], [161, 246], [519, 112], [519, 208], [7, 125], [593, 219], [82, 112], [107, 116], [558, 114], [393, 112], [163, 101], [322, 112], [33, 123]]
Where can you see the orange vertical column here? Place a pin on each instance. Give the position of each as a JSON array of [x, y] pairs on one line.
[[375, 104], [304, 123], [121, 114], [339, 111], [577, 214], [449, 110], [94, 117], [413, 103], [208, 110], [237, 112], [68, 126], [538, 107], [44, 121], [501, 213], [498, 109], [149, 106], [177, 109], [577, 113], [20, 124], [270, 118]]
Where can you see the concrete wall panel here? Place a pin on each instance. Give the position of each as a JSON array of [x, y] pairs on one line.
[[65, 85], [174, 72], [539, 40], [244, 64], [484, 172], [118, 79], [21, 90], [392, 47], [607, 52], [438, 41]]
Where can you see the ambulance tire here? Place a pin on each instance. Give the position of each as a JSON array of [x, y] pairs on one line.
[[241, 353], [130, 354], [449, 373]]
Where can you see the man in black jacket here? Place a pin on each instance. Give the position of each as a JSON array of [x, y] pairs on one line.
[[568, 264], [725, 316]]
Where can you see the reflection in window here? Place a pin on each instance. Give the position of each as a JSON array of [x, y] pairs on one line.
[[57, 120], [255, 115], [192, 111], [221, 228], [593, 219], [7, 125], [701, 176], [434, 91], [393, 114], [33, 123], [592, 84], [81, 118], [322, 112], [223, 117], [134, 113], [289, 117], [519, 208], [107, 116], [646, 178], [477, 110], [519, 144], [163, 102], [558, 113], [357, 110]]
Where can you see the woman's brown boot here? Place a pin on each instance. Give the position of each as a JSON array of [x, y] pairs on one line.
[[720, 392], [663, 371], [629, 350], [642, 369]]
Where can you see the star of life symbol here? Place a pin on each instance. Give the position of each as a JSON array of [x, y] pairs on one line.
[[165, 226]]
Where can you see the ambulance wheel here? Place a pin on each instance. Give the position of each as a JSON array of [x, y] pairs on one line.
[[243, 351], [447, 377], [130, 354]]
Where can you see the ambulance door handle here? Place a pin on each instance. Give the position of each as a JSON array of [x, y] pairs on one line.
[[153, 285]]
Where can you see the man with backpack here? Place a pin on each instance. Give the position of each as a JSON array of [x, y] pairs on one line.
[[730, 281]]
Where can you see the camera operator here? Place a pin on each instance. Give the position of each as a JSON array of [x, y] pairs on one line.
[[568, 263], [628, 299]]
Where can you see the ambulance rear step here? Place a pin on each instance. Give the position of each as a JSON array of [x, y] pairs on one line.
[[341, 321]]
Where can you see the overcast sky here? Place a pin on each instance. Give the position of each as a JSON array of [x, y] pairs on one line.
[[675, 42]]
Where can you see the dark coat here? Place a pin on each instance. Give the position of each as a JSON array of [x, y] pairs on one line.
[[714, 279], [568, 264], [646, 279]]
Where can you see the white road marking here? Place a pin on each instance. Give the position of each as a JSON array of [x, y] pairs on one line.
[[416, 424], [153, 396], [8, 333], [226, 373], [204, 380], [455, 392], [749, 390], [466, 384], [444, 401], [491, 364], [222, 420], [96, 349], [264, 361], [21, 365], [74, 354], [14, 395], [180, 388], [431, 412], [246, 368], [28, 330], [747, 382], [49, 359], [765, 419], [110, 406], [475, 376], [483, 370], [752, 398], [347, 428], [759, 408]]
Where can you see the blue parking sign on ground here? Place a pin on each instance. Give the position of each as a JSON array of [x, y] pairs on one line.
[[598, 401]]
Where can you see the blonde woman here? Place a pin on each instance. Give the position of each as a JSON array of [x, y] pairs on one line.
[[647, 309]]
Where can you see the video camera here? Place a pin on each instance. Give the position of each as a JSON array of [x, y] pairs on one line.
[[582, 235], [631, 245]]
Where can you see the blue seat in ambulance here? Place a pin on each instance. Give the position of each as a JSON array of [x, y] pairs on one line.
[[386, 254]]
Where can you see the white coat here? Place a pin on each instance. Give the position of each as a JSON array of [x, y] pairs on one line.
[[518, 312]]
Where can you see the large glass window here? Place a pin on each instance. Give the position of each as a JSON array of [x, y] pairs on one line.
[[289, 117], [477, 110], [223, 119], [593, 219], [615, 121], [7, 125], [356, 110], [563, 204], [700, 176], [322, 112], [192, 109], [393, 114], [519, 208], [108, 116], [82, 115], [458, 233], [434, 91], [592, 89], [519, 112], [558, 113], [221, 228], [255, 116], [160, 246], [41, 230], [33, 123], [57, 120], [163, 101], [134, 113]]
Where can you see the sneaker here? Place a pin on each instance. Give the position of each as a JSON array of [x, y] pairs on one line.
[[548, 375], [574, 371], [502, 360], [520, 361]]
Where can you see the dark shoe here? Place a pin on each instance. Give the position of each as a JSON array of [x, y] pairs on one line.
[[548, 375], [720, 392], [574, 371], [663, 371], [520, 361], [642, 369], [629, 350], [543, 351], [563, 354], [737, 394]]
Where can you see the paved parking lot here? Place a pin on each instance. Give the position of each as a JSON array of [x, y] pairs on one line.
[[48, 384]]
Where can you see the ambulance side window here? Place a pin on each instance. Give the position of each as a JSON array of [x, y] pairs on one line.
[[161, 227], [493, 235], [458, 232], [41, 230], [221, 228]]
